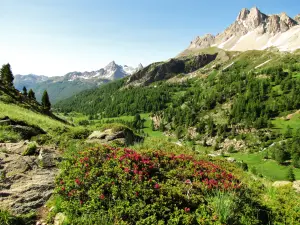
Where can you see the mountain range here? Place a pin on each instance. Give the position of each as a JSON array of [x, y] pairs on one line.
[[61, 87], [254, 30]]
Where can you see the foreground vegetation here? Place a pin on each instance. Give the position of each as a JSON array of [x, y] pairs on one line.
[[115, 185]]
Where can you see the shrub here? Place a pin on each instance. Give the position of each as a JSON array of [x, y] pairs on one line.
[[30, 150], [84, 122], [253, 170], [8, 134], [126, 187], [6, 218], [290, 175], [231, 149]]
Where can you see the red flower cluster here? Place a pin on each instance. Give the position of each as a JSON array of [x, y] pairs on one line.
[[156, 186], [77, 181], [102, 196], [109, 167]]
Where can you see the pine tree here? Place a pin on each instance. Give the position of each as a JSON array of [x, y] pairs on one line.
[[31, 94], [45, 101], [24, 91], [6, 75], [291, 175]]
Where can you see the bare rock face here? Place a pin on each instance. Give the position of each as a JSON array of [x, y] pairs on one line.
[[166, 70], [205, 41], [243, 14], [26, 182], [297, 18], [253, 29]]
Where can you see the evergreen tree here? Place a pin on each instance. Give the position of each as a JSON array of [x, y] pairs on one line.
[[24, 91], [6, 75], [31, 94], [45, 101], [291, 175]]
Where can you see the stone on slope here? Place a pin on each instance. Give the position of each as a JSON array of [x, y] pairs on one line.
[[122, 136], [24, 184]]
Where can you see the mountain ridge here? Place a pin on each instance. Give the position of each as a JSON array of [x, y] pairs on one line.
[[254, 30], [61, 87]]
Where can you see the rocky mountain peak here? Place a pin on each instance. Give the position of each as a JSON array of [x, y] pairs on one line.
[[111, 66], [297, 18], [243, 14], [206, 41], [140, 66], [284, 18], [255, 18], [254, 30]]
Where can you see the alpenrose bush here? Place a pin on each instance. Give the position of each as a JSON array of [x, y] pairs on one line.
[[128, 187]]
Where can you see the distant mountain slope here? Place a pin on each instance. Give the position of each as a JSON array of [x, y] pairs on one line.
[[62, 87], [138, 93], [165, 70], [254, 30]]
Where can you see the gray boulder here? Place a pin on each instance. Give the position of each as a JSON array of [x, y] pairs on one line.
[[24, 184], [123, 136]]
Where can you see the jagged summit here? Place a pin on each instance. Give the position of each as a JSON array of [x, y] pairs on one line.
[[111, 66], [253, 29], [297, 18]]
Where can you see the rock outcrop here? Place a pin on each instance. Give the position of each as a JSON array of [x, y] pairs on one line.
[[122, 136], [26, 131], [255, 30], [26, 182], [165, 70], [297, 19]]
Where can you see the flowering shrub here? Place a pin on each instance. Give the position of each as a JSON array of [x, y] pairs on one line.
[[150, 188]]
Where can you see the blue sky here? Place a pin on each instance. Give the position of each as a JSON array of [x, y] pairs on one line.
[[53, 37]]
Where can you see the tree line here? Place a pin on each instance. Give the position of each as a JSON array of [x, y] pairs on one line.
[[7, 78]]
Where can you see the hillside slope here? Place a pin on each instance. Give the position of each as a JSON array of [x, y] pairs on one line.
[[22, 117]]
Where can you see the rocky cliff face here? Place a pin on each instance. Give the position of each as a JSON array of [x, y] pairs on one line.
[[255, 30], [297, 18], [165, 70]]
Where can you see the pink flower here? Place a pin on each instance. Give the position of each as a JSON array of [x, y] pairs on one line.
[[126, 170], [188, 181], [77, 181], [157, 186], [186, 209]]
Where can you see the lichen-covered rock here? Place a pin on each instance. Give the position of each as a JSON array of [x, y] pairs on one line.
[[24, 184], [59, 219], [281, 183], [123, 136], [296, 185]]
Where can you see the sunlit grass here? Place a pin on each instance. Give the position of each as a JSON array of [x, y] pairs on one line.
[[18, 113], [268, 168]]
